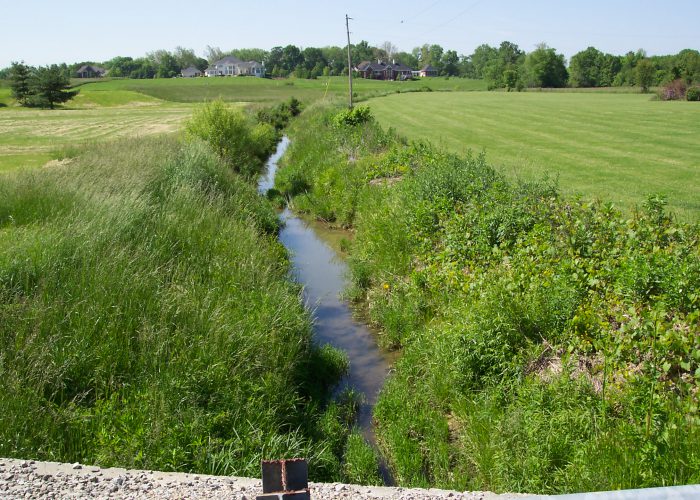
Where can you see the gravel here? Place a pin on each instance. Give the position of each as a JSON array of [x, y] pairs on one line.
[[20, 479]]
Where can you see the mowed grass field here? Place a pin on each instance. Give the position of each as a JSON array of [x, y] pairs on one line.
[[615, 147], [117, 108], [268, 90], [31, 137]]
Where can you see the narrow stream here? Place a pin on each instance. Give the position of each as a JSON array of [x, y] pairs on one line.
[[323, 274]]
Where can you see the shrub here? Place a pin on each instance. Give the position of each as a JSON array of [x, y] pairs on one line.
[[353, 116], [673, 91], [235, 138], [693, 94], [280, 115]]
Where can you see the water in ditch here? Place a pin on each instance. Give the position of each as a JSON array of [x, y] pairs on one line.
[[323, 275]]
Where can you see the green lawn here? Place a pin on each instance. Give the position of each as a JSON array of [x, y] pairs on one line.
[[114, 108], [616, 147], [268, 90], [30, 137]]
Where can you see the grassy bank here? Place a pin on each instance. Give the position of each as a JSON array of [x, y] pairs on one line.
[[147, 319], [548, 344], [615, 147]]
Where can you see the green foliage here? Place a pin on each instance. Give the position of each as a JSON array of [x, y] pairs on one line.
[[20, 80], [280, 115], [360, 465], [147, 320], [49, 86], [238, 141], [693, 94], [548, 344], [645, 74], [545, 68], [354, 116]]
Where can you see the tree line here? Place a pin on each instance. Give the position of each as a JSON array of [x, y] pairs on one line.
[[505, 66]]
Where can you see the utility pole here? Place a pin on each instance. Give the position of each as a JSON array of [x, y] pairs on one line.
[[347, 28]]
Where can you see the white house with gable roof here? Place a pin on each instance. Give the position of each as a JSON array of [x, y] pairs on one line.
[[232, 66]]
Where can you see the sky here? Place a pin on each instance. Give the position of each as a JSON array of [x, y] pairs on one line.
[[41, 32]]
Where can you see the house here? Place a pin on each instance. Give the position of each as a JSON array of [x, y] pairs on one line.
[[90, 71], [427, 71], [232, 66], [383, 71], [190, 72]]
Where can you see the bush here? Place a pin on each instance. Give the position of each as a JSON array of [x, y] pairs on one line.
[[235, 138], [280, 115], [673, 91], [354, 116], [542, 337], [693, 94]]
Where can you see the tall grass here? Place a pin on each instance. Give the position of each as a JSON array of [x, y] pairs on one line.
[[147, 319], [548, 344]]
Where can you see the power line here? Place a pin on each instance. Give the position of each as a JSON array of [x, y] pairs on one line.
[[421, 12], [454, 18]]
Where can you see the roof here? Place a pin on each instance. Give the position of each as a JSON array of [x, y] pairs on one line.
[[428, 68], [381, 66], [89, 67], [399, 67], [191, 70], [227, 60], [250, 64]]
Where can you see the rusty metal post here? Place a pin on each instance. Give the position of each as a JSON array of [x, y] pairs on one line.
[[285, 480]]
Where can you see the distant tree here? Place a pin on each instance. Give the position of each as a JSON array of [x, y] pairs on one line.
[[545, 68], [49, 86], [389, 50], [166, 64], [584, 69], [406, 58], [510, 79], [646, 74], [609, 68], [627, 74], [431, 55], [274, 58], [186, 58], [481, 57], [291, 58], [336, 58], [361, 52], [143, 68], [213, 53], [450, 63], [313, 58], [508, 56], [121, 66], [687, 61], [252, 54], [510, 53], [20, 82]]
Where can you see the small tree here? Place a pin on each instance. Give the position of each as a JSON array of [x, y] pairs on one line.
[[510, 79], [20, 79], [49, 87], [646, 73]]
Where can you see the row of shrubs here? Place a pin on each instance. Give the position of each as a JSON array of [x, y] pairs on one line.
[[147, 318], [548, 344]]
